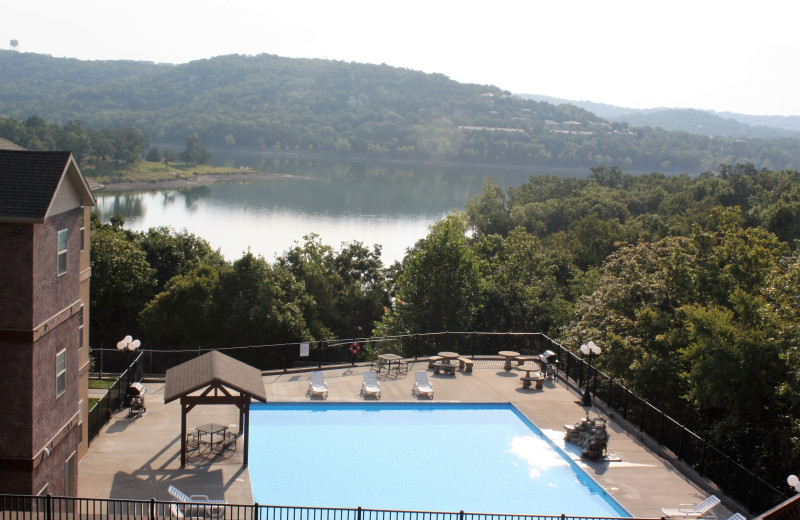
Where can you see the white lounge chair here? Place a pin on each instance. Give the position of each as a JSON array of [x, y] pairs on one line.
[[370, 385], [192, 511], [183, 497], [421, 385], [692, 512], [317, 386]]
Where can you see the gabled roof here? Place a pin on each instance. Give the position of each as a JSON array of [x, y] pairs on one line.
[[29, 182], [5, 144], [211, 369]]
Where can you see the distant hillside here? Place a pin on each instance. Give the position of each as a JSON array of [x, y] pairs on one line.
[[704, 122], [266, 102]]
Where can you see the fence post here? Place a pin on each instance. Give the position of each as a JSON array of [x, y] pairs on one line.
[[152, 508], [461, 515], [48, 507], [358, 513]]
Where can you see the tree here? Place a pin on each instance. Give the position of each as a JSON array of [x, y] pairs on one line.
[[488, 212], [167, 157], [153, 155], [122, 282], [440, 286], [522, 291], [347, 288], [129, 145], [172, 252], [194, 153]]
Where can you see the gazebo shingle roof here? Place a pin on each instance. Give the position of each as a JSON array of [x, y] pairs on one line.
[[213, 367]]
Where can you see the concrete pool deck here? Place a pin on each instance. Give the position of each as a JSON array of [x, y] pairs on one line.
[[138, 458]]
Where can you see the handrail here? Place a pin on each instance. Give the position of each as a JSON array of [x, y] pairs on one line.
[[23, 507]]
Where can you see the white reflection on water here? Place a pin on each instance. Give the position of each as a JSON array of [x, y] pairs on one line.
[[538, 454]]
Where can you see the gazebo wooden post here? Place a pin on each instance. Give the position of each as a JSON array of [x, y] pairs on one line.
[[183, 433], [246, 430]]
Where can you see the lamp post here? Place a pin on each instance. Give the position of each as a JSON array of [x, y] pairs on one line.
[[129, 344], [794, 482], [590, 350]]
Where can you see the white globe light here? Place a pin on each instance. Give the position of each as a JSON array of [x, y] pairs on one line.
[[136, 344], [793, 480], [585, 350], [128, 339], [120, 345]]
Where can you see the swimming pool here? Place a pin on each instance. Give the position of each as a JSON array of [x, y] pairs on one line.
[[477, 458]]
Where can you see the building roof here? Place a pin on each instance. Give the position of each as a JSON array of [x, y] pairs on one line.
[[5, 144], [212, 369], [30, 181]]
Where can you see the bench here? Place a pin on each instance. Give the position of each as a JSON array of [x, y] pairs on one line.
[[447, 368], [433, 360], [465, 364], [521, 360], [526, 381]]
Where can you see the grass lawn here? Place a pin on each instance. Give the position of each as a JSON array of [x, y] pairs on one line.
[[92, 402], [108, 172], [101, 384]]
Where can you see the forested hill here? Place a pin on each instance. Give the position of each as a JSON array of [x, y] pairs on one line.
[[266, 102]]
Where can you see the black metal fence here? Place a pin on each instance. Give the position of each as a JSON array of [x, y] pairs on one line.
[[23, 507], [323, 354], [114, 398], [736, 481]]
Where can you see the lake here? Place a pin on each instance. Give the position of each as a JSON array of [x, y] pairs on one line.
[[391, 204]]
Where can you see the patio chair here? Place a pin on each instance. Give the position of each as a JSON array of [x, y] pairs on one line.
[[317, 386], [692, 512], [183, 497], [421, 385], [196, 512], [192, 442], [370, 385]]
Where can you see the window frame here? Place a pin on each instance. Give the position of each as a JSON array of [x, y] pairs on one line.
[[61, 265], [80, 327], [61, 373]]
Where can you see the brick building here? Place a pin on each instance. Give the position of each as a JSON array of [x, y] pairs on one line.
[[44, 304]]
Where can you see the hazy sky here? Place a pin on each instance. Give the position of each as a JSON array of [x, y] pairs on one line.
[[719, 55]]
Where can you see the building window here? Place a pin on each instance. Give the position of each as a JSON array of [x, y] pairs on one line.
[[83, 227], [61, 372], [62, 251], [80, 328]]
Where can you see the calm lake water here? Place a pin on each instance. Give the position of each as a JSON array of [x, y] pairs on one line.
[[342, 201]]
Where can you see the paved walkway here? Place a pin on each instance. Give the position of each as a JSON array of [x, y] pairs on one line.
[[139, 458]]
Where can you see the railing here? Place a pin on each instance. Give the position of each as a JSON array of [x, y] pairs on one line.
[[736, 481], [731, 477], [24, 507], [114, 398]]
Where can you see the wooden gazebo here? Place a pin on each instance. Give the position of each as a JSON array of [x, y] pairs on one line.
[[214, 378]]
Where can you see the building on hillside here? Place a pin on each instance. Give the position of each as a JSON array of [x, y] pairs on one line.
[[44, 315]]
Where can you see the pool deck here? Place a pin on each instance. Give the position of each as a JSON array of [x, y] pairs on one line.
[[138, 458]]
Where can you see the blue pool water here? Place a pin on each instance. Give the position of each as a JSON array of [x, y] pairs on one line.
[[415, 456]]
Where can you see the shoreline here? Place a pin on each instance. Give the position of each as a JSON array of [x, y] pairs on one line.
[[192, 182]]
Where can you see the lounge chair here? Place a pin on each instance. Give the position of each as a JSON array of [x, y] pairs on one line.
[[183, 497], [421, 385], [370, 385], [692, 512], [317, 386], [192, 511]]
